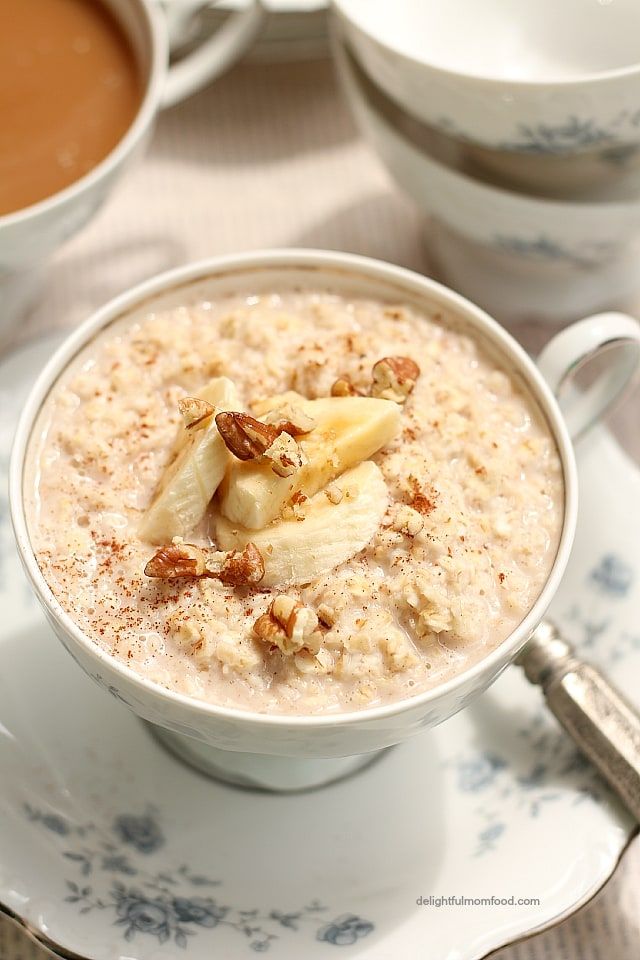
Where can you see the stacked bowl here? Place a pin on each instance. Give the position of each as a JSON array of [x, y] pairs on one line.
[[515, 126]]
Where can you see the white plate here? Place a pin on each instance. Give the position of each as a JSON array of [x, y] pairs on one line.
[[294, 30], [111, 849], [279, 6]]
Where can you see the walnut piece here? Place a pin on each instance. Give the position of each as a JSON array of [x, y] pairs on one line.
[[289, 626], [290, 419], [343, 387], [179, 559], [285, 455], [237, 568], [244, 436], [194, 411], [175, 560], [394, 378]]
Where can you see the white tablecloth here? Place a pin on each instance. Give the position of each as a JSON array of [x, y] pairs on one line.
[[269, 157]]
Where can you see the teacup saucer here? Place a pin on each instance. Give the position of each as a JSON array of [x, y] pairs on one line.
[[111, 848], [294, 30]]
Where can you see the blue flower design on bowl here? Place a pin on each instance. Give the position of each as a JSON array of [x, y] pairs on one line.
[[616, 140], [545, 249]]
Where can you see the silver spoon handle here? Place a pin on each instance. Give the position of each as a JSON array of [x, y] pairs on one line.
[[604, 726]]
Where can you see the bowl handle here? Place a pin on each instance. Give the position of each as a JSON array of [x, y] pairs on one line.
[[614, 335], [212, 57]]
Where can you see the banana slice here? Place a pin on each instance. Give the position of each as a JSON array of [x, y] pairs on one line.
[[193, 476], [348, 430], [298, 551], [260, 407]]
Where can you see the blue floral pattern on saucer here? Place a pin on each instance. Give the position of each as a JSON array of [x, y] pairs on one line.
[[162, 904]]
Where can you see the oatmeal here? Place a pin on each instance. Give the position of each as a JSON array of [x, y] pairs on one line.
[[293, 502]]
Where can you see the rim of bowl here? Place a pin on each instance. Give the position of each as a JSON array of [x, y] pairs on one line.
[[159, 55], [516, 82], [416, 287], [587, 209]]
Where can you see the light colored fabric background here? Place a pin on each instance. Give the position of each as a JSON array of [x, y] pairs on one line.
[[269, 157]]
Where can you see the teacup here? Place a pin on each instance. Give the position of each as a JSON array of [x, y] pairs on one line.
[[518, 255], [290, 752], [532, 77], [28, 237]]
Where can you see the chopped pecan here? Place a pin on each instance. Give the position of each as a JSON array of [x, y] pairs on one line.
[[295, 508], [268, 629], [180, 559], [177, 560], [285, 455], [343, 387], [394, 378], [238, 569], [194, 411], [290, 626], [290, 419], [246, 437]]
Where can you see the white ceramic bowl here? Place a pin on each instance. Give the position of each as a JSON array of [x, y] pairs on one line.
[[324, 747], [530, 76], [565, 258], [28, 237]]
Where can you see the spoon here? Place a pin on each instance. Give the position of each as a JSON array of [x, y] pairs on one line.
[[603, 725]]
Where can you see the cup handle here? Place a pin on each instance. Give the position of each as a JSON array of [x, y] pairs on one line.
[[576, 346], [212, 57]]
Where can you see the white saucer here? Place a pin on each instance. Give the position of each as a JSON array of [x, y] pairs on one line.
[[111, 849], [294, 30], [280, 6]]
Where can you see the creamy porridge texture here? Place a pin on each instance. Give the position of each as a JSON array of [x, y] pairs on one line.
[[387, 502]]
